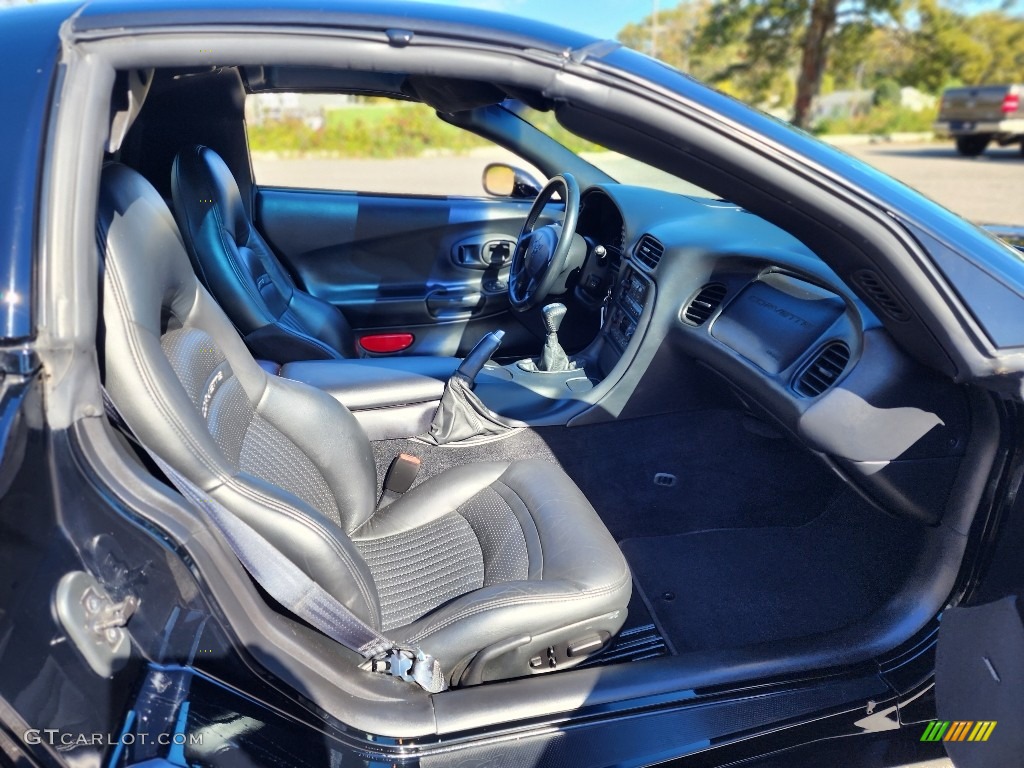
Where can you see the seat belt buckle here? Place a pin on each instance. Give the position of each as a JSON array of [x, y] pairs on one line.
[[411, 665], [401, 475]]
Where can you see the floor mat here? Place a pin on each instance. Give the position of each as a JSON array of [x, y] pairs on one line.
[[729, 588], [639, 639]]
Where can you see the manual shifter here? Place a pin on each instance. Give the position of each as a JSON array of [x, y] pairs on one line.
[[553, 359]]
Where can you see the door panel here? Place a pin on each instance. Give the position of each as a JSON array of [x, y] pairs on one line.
[[436, 267]]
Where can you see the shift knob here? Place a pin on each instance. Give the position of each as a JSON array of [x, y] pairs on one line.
[[553, 316]]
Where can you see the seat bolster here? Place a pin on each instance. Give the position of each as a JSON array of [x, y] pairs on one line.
[[576, 545], [270, 367], [434, 498], [324, 321], [280, 343], [329, 435], [307, 538], [208, 316]]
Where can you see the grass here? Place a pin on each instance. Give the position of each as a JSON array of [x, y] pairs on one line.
[[883, 119], [409, 130], [373, 130], [386, 130]]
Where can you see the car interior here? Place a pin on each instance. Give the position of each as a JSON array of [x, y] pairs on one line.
[[676, 447]]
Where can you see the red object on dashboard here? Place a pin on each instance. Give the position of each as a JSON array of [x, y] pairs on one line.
[[383, 343]]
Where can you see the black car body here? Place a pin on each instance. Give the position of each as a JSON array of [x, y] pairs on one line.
[[803, 417]]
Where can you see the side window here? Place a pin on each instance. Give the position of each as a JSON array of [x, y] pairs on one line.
[[376, 145]]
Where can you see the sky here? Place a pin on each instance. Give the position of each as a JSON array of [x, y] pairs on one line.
[[600, 18], [604, 18]]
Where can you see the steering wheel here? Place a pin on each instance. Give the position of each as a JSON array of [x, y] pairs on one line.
[[540, 252]]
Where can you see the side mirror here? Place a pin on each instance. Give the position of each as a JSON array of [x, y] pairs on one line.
[[503, 180]]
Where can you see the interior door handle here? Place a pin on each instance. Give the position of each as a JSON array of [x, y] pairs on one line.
[[483, 253]]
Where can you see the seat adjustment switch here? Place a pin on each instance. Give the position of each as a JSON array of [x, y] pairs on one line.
[[586, 646]]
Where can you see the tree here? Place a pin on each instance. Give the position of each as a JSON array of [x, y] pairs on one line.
[[862, 58], [773, 52], [951, 47], [773, 30], [682, 41], [677, 33]]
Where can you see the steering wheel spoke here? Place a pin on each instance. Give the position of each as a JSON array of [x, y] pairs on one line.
[[539, 256]]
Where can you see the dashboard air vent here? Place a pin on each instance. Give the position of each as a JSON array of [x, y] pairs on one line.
[[649, 251], [703, 305], [882, 296], [822, 372]]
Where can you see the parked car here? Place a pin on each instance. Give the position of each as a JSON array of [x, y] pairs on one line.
[[719, 467], [975, 116]]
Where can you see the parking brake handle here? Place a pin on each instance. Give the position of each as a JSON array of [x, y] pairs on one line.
[[461, 415], [480, 354]]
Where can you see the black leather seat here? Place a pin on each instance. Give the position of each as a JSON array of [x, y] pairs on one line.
[[278, 321], [496, 562]]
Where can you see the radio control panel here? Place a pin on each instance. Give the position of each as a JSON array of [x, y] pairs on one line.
[[628, 302]]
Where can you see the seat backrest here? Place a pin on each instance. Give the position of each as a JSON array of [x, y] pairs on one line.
[[285, 457], [278, 320]]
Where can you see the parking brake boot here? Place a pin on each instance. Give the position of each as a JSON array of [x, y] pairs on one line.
[[461, 415]]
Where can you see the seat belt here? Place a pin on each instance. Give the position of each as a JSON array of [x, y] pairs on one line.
[[290, 586]]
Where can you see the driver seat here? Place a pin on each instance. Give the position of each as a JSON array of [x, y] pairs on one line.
[[498, 569], [278, 320]]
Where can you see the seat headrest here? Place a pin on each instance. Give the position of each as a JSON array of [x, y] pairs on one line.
[[201, 180]]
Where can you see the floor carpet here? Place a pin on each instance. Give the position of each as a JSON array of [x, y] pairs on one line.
[[735, 587], [726, 474]]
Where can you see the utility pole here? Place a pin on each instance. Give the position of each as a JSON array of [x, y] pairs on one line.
[[654, 30]]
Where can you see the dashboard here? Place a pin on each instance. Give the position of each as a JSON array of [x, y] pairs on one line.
[[745, 308]]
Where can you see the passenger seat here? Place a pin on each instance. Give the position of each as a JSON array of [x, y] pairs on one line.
[[498, 569]]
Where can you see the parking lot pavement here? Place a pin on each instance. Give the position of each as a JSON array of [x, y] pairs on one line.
[[986, 190]]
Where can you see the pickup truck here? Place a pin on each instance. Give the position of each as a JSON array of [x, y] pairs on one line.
[[975, 116]]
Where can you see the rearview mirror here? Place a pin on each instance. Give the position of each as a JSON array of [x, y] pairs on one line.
[[503, 180]]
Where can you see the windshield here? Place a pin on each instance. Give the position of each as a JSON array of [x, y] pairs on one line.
[[622, 168]]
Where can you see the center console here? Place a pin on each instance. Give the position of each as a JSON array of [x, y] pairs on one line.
[[398, 396], [389, 396]]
